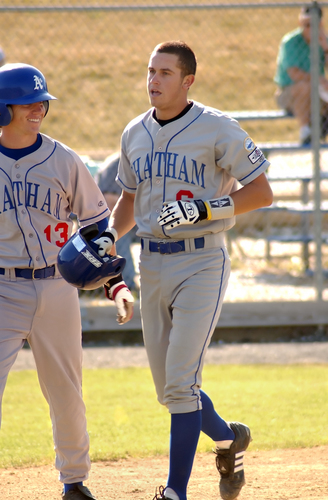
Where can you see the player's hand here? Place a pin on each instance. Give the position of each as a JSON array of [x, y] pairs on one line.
[[123, 299], [322, 37], [106, 241], [178, 213]]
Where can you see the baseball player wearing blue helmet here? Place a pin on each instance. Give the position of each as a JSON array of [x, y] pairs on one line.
[[179, 170], [42, 182]]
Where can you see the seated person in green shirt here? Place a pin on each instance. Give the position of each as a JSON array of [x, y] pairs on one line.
[[293, 74]]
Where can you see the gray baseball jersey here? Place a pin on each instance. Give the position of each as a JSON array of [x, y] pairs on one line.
[[201, 156], [183, 272], [37, 194]]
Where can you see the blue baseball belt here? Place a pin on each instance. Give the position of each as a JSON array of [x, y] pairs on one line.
[[168, 247], [31, 274]]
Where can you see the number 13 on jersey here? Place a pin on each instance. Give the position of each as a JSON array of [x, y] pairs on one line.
[[61, 234]]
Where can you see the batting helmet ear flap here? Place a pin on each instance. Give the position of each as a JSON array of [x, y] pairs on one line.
[[46, 107], [6, 114]]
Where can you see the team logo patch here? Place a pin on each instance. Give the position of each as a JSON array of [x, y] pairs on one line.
[[256, 155], [91, 258], [249, 144], [38, 83], [190, 209]]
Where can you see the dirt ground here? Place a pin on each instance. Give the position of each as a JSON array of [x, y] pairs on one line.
[[270, 475]]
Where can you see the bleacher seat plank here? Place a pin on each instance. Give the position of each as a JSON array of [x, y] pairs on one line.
[[270, 114]]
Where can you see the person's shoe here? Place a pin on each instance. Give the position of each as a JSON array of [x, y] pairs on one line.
[[305, 135], [161, 494], [78, 493], [230, 462], [306, 141]]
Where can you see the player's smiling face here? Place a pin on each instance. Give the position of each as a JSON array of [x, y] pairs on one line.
[[167, 89], [28, 117], [25, 124]]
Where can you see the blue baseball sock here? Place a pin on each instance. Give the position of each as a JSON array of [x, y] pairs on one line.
[[68, 487], [212, 424], [185, 430]]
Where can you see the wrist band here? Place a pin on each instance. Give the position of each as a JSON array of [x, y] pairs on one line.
[[114, 281], [202, 209], [112, 234], [117, 288], [220, 208]]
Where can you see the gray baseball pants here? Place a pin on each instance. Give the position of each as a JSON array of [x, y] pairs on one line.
[[181, 300], [46, 313]]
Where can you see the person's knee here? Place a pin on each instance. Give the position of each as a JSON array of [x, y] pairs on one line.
[[182, 400], [301, 91], [160, 398]]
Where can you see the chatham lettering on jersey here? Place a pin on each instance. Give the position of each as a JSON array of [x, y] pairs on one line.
[[14, 197], [175, 167]]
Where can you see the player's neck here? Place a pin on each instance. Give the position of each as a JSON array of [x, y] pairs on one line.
[[169, 113], [163, 121], [11, 140]]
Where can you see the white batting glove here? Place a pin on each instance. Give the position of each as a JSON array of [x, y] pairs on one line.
[[178, 213], [123, 299], [106, 241]]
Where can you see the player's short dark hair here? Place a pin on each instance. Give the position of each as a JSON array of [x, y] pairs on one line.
[[186, 56], [306, 10]]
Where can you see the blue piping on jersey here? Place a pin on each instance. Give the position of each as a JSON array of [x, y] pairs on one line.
[[127, 187], [18, 224], [91, 218], [165, 157], [252, 171], [167, 146], [39, 240], [211, 325], [152, 153]]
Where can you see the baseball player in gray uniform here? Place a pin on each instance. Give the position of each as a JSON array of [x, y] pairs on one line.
[[180, 166], [42, 181]]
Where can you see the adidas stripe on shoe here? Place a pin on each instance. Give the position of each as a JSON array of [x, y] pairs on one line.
[[230, 462]]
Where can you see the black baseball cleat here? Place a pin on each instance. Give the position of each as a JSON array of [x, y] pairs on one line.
[[78, 493], [161, 494], [230, 462]]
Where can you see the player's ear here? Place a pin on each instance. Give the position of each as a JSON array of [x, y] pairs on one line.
[[188, 81]]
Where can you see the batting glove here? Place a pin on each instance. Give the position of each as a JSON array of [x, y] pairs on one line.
[[117, 290], [178, 213], [106, 241]]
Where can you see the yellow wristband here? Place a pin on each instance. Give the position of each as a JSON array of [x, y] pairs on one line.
[[209, 211]]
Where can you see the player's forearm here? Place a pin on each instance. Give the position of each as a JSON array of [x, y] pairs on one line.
[[111, 199], [122, 216], [298, 75], [256, 194], [120, 222]]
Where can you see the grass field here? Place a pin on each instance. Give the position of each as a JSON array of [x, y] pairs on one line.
[[96, 63], [285, 406]]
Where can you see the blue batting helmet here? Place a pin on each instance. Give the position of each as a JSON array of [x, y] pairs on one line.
[[81, 266], [21, 84]]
